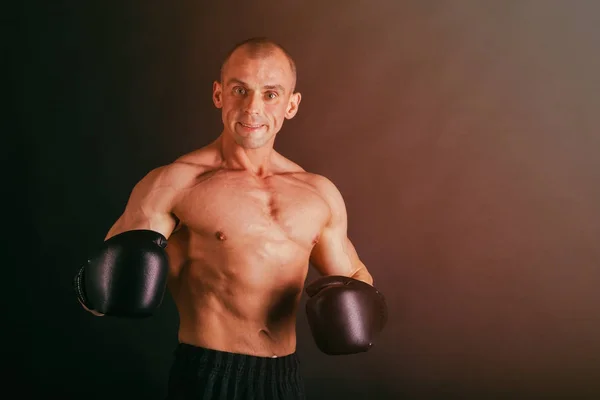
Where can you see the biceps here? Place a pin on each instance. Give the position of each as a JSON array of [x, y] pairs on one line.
[[163, 223], [147, 209], [333, 255]]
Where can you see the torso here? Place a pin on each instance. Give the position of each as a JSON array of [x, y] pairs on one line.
[[239, 261]]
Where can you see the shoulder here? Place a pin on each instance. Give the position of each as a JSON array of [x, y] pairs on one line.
[[320, 183], [330, 193], [183, 171], [323, 186]]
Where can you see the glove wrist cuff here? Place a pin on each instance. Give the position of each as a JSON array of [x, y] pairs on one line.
[[79, 287]]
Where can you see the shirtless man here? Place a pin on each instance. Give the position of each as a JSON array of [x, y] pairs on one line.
[[242, 223]]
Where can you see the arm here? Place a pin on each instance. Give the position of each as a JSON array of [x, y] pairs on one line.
[[335, 254], [345, 312], [150, 204], [127, 275]]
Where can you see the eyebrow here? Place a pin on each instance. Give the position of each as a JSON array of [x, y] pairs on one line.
[[269, 87]]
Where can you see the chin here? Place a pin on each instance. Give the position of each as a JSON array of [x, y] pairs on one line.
[[246, 142], [251, 144]]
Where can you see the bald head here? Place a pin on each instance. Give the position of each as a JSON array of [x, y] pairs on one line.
[[258, 48]]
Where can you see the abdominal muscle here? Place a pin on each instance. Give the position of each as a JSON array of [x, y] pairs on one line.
[[234, 298]]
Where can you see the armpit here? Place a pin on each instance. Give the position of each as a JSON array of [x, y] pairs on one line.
[[177, 223]]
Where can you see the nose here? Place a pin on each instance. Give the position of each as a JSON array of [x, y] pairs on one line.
[[253, 104]]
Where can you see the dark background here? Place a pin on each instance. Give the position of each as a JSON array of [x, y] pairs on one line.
[[463, 136]]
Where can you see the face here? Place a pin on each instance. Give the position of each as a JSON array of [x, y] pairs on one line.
[[255, 96]]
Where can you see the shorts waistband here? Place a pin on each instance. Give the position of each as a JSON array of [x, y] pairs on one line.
[[219, 358]]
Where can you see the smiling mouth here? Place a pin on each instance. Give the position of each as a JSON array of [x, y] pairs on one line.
[[250, 126]]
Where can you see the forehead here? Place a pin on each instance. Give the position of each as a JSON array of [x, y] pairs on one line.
[[270, 67]]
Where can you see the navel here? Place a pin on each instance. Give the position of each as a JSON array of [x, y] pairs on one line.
[[265, 333], [220, 235]]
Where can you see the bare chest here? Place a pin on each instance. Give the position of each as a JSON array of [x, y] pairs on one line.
[[235, 208]]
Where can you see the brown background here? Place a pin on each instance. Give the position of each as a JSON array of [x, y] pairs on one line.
[[463, 136]]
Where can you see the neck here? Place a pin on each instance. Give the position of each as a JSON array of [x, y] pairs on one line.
[[256, 161]]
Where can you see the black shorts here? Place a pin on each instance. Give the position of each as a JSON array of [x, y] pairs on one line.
[[200, 373]]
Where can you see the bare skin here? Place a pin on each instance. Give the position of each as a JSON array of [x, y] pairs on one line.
[[242, 221]]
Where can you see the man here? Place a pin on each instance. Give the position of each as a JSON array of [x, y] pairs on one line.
[[242, 223]]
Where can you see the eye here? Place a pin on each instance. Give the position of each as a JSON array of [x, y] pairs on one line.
[[239, 90], [272, 95]]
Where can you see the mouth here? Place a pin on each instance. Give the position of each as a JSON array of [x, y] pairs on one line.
[[251, 126]]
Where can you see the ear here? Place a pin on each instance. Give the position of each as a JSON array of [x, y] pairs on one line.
[[293, 105], [217, 94]]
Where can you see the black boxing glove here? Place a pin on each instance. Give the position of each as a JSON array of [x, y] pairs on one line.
[[345, 315], [127, 277]]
